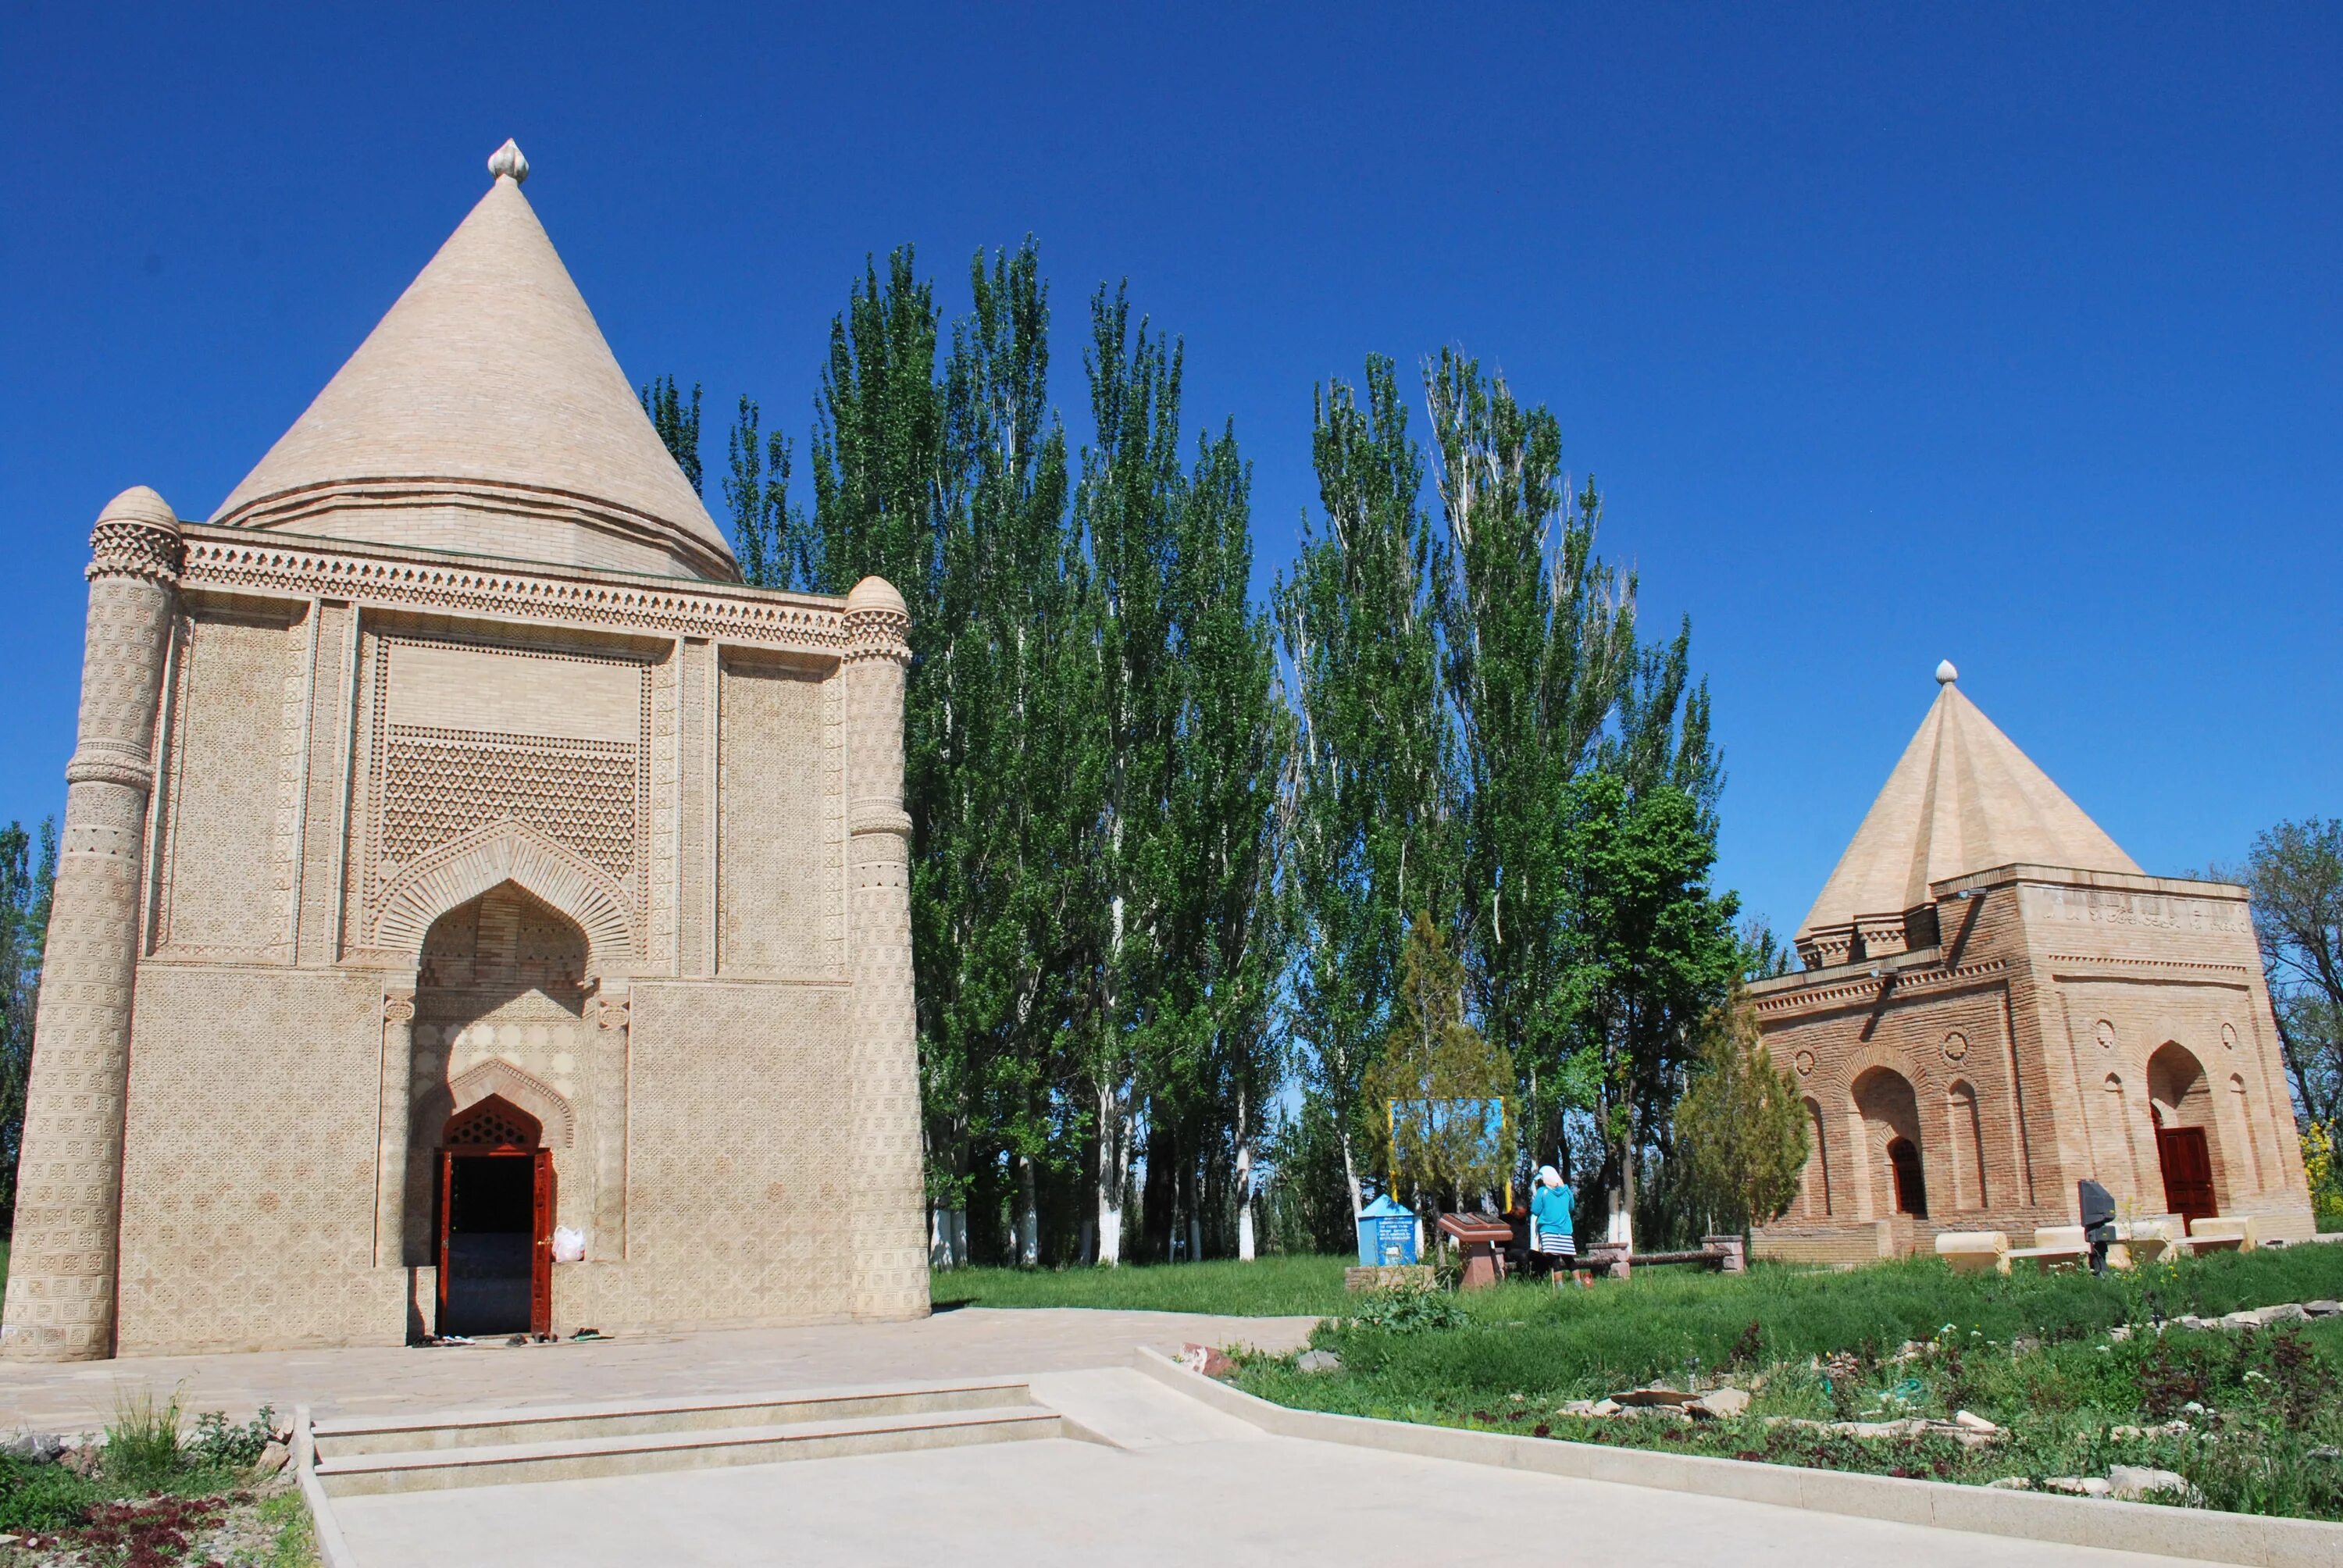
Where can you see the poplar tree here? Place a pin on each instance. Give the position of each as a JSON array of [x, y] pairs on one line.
[[1373, 840], [28, 879], [877, 439], [1223, 912], [1539, 651], [678, 423], [1006, 768], [1127, 507], [767, 537]]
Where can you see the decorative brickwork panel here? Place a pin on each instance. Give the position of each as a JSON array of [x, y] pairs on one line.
[[464, 736], [233, 783], [248, 1182], [438, 785], [781, 829], [741, 1176]]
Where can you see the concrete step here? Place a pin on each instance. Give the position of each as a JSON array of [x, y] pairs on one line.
[[576, 1457], [345, 1437]]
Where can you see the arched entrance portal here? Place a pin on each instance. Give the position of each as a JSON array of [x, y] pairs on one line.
[[495, 1222], [2180, 1104], [503, 1130], [1891, 1129]]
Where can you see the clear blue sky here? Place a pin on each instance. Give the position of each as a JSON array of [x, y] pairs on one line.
[[1893, 333]]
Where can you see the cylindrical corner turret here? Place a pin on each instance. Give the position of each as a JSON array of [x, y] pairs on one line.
[[61, 1275], [890, 1276]]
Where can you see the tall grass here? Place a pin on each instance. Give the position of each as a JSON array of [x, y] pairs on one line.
[[142, 1441]]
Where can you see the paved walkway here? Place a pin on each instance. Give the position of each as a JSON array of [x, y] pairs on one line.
[[973, 1342], [1187, 1485]]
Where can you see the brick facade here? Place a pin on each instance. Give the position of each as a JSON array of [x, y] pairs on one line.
[[621, 849], [2018, 1028]]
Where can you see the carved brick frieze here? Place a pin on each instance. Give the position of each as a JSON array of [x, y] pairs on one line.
[[129, 548], [1887, 987], [236, 561]]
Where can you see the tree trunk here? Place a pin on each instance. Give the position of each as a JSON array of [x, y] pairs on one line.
[[1244, 1182], [1028, 1214], [1351, 1177], [1113, 1172]]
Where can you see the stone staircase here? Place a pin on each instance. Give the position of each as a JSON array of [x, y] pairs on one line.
[[357, 1455]]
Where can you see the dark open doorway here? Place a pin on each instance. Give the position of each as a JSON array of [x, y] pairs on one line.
[[496, 1224], [1910, 1185]]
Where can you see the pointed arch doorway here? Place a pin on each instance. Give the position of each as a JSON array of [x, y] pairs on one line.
[[495, 1222]]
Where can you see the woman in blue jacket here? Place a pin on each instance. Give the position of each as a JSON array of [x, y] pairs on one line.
[[1550, 1221]]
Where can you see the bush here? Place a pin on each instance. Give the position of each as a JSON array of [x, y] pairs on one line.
[[223, 1446], [1406, 1310], [37, 1498]]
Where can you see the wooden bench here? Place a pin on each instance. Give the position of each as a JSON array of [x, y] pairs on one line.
[[1725, 1254]]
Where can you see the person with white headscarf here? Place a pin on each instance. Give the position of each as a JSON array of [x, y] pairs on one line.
[[1550, 1219]]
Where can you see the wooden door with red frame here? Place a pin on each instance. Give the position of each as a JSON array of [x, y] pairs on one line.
[[2187, 1165], [540, 1270]]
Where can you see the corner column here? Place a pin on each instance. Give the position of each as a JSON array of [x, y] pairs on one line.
[[889, 1271], [62, 1268], [397, 1123], [614, 1021]]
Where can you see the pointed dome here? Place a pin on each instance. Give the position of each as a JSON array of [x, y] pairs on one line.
[[1963, 798], [487, 414]]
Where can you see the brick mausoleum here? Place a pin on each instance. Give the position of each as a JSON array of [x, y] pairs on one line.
[[1997, 1003], [457, 854]]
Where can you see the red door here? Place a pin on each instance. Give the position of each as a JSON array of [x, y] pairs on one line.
[[447, 1208], [2187, 1171], [541, 1269]]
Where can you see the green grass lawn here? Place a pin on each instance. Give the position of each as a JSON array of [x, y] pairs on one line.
[[1268, 1287], [2029, 1351]]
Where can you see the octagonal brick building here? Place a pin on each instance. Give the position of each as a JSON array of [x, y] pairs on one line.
[[1997, 1003], [478, 910]]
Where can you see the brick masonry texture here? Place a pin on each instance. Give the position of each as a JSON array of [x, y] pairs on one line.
[[567, 821], [2021, 1026]]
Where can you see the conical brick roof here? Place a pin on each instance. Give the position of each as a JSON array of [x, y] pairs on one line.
[[486, 412], [1963, 798]]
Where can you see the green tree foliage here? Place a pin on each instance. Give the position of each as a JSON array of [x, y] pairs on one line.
[[1094, 742], [1540, 654], [1192, 936], [878, 443], [678, 423], [1372, 836], [1647, 948], [1004, 772], [768, 536], [1157, 869], [1440, 1083], [1741, 1126], [2295, 872], [28, 878]]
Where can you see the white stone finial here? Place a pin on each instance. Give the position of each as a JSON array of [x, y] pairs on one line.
[[509, 163], [1945, 673]]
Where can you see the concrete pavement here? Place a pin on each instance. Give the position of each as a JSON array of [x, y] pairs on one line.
[[971, 1342], [1184, 1485]]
